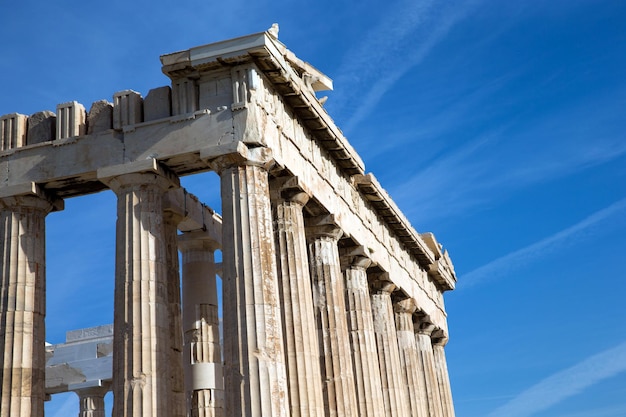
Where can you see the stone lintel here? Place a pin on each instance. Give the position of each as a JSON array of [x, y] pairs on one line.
[[31, 189], [107, 174], [194, 215], [90, 333], [95, 386], [68, 167]]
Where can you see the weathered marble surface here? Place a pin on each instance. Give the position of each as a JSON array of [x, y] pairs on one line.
[[307, 332]]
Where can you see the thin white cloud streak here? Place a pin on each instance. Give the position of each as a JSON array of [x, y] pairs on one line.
[[568, 236], [377, 64], [613, 411], [511, 156], [566, 383], [380, 87]]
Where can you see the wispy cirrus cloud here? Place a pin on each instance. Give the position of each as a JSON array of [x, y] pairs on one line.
[[565, 384], [609, 411], [571, 235], [514, 154], [399, 42]]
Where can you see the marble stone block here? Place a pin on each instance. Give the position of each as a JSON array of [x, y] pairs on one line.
[[71, 118], [100, 117], [12, 131], [128, 109], [41, 127], [157, 104]]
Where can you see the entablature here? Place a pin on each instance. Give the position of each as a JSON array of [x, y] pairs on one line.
[[220, 93]]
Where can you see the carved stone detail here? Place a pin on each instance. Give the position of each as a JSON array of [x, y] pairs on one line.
[[394, 388], [23, 305], [363, 339], [204, 384], [330, 307], [142, 383], [299, 326], [255, 376]]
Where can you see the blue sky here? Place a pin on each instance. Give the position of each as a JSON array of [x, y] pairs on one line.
[[499, 126]]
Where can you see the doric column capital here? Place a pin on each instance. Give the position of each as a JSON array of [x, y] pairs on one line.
[[406, 306], [29, 195], [172, 217], [94, 391], [223, 157], [198, 240], [289, 188], [381, 283], [92, 400], [322, 226], [146, 172], [423, 324], [355, 257], [439, 337]]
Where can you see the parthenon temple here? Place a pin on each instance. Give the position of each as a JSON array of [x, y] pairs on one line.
[[332, 304]]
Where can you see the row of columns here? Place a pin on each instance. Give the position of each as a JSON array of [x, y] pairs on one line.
[[307, 332]]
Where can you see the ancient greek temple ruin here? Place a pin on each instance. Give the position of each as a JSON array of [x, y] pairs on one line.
[[332, 303]]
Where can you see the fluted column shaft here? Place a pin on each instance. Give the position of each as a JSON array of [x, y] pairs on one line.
[[425, 350], [443, 379], [409, 358], [394, 390], [22, 305], [254, 369], [330, 306], [363, 341], [299, 325], [142, 349], [91, 402], [178, 405], [204, 384]]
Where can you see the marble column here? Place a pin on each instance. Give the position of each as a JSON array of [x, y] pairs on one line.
[[394, 390], [254, 366], [170, 223], [330, 308], [362, 339], [204, 382], [409, 358], [423, 332], [91, 401], [22, 305], [142, 348], [299, 325], [443, 379]]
